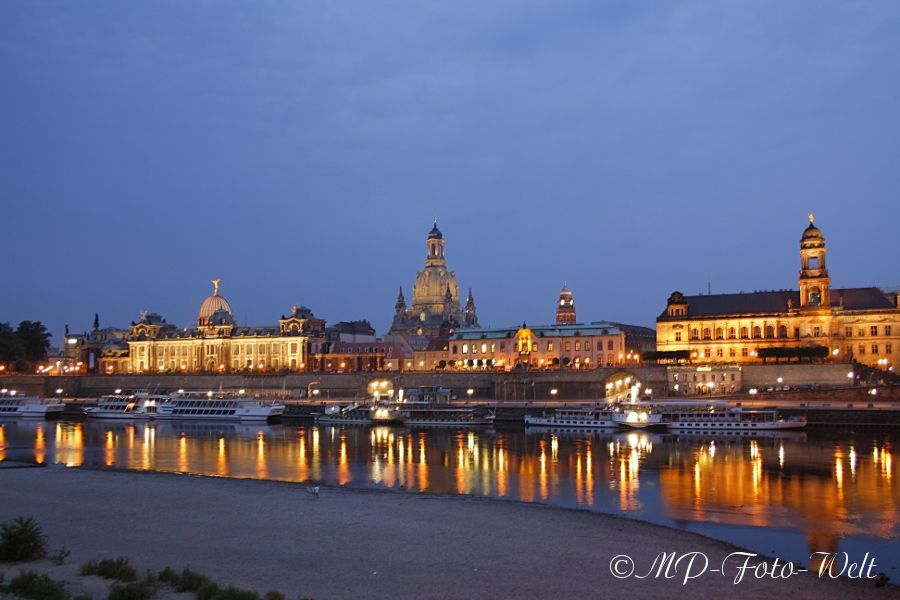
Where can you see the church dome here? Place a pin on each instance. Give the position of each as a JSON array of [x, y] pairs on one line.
[[435, 233], [212, 304]]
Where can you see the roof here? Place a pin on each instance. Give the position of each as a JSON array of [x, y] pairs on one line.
[[777, 302]]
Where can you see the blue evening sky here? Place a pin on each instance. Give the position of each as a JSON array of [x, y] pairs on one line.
[[299, 151]]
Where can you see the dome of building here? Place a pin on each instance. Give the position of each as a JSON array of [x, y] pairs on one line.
[[213, 304], [435, 233], [812, 232]]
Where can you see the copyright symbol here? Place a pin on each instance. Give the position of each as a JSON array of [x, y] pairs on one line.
[[621, 566]]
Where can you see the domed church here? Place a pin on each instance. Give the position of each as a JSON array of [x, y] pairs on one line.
[[435, 309]]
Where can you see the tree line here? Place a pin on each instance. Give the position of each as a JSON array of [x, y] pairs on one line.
[[24, 346]]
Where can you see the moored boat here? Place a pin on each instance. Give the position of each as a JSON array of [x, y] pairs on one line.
[[13, 405], [576, 418], [133, 406], [217, 406]]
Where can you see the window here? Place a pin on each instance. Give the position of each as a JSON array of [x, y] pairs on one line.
[[719, 334], [610, 345], [695, 335], [744, 335], [465, 349], [294, 348], [577, 345], [848, 331], [568, 346], [757, 332], [455, 349], [887, 330], [873, 330], [782, 331], [888, 348], [817, 331], [502, 346], [718, 352], [732, 352], [677, 336], [743, 352], [874, 348], [862, 350], [493, 348], [549, 346], [813, 262], [484, 347], [534, 347], [706, 334], [731, 335], [815, 297], [707, 353], [587, 346], [770, 331]]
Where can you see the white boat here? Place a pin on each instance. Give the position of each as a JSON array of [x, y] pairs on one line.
[[13, 405], [217, 406], [578, 418], [427, 415], [720, 418], [134, 406]]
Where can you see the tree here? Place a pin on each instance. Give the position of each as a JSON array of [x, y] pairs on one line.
[[34, 340], [10, 348]]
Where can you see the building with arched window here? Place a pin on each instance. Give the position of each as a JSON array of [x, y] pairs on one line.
[[840, 324], [218, 344]]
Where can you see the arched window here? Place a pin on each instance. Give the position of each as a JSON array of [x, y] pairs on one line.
[[744, 335], [731, 334], [757, 332], [706, 335], [770, 331], [782, 331], [719, 333], [815, 297], [695, 335]]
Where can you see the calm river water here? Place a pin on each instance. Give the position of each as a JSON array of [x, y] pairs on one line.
[[789, 494]]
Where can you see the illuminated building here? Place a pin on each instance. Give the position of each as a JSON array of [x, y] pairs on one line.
[[435, 309], [841, 324], [217, 344], [576, 346]]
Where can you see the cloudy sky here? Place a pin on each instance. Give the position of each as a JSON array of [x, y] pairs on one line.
[[300, 150]]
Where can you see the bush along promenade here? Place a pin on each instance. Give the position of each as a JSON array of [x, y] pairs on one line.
[[22, 541]]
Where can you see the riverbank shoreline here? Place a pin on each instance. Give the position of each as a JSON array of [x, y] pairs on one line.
[[359, 543]]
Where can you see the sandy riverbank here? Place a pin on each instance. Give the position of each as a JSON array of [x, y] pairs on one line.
[[362, 544]]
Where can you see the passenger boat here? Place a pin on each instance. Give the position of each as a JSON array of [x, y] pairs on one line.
[[217, 406], [13, 405], [134, 406], [578, 418], [427, 415], [723, 418]]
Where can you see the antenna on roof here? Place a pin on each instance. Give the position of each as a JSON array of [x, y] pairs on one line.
[[709, 288]]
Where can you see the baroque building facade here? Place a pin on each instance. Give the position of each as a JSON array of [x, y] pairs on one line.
[[436, 308], [565, 345], [217, 344], [840, 324]]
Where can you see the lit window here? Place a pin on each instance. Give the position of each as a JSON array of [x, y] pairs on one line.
[[873, 330]]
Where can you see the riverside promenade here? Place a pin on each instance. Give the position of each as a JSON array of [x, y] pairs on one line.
[[367, 544]]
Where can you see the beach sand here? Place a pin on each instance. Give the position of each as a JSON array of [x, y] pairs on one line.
[[364, 544]]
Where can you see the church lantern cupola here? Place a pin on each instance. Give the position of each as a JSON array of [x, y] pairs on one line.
[[814, 281], [435, 247]]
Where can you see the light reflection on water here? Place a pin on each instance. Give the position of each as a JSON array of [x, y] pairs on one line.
[[830, 491]]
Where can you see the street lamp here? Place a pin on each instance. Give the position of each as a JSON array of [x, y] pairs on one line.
[[469, 393], [553, 393]]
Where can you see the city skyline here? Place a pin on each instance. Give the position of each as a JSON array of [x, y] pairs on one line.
[[301, 153]]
